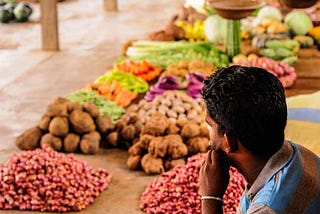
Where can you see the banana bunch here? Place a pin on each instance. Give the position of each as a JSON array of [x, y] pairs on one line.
[[193, 32]]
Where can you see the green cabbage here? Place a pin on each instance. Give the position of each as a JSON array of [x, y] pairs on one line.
[[299, 23], [270, 13], [215, 28]]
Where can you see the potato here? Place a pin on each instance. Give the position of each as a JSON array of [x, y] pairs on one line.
[[138, 127], [169, 164], [53, 141], [90, 143], [112, 139], [104, 123], [204, 131], [91, 109], [44, 123], [60, 100], [152, 165], [134, 162], [30, 139], [74, 106], [71, 142], [58, 109], [81, 122], [59, 126]]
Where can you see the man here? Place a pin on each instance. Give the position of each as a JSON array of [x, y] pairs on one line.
[[246, 110]]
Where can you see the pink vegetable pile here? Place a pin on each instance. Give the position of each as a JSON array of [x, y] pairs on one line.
[[286, 73], [177, 190], [45, 180]]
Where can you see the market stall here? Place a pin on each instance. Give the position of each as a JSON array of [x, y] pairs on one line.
[[144, 115]]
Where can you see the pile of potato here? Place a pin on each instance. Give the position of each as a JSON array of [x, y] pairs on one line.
[[164, 144], [67, 126]]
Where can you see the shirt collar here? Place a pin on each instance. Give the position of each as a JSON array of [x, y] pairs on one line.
[[274, 164]]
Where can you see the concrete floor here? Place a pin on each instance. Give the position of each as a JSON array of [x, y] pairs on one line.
[[90, 40]]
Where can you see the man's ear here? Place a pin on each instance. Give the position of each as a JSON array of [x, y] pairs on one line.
[[231, 143]]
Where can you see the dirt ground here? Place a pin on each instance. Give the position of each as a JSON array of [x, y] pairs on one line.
[[90, 41]]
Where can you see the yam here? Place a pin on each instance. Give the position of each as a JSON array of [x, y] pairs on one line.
[[152, 165], [158, 147], [104, 123], [145, 140], [134, 161], [56, 110], [112, 139], [44, 123], [30, 139], [190, 130], [59, 126], [89, 143], [128, 133], [53, 141], [204, 131], [198, 145], [173, 128], [156, 125], [91, 109], [169, 164], [136, 149], [71, 142], [176, 147], [81, 122]]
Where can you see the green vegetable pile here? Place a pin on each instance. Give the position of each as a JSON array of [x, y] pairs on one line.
[[126, 80], [172, 52], [105, 107], [10, 11]]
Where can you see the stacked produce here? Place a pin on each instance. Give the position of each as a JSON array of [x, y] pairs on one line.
[[114, 92], [177, 191], [174, 104], [183, 68], [67, 126], [142, 69], [192, 84], [11, 11], [186, 24], [166, 53], [282, 70], [104, 106], [126, 80], [48, 181], [162, 143]]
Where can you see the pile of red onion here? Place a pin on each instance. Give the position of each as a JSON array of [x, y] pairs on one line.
[[45, 180], [177, 190]]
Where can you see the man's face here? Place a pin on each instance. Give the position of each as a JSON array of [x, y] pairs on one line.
[[215, 139]]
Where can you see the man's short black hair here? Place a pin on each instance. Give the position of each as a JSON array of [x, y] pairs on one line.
[[249, 104]]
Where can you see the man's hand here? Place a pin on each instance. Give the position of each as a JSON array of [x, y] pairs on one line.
[[214, 175]]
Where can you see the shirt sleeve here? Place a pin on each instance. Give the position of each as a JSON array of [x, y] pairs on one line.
[[260, 209]]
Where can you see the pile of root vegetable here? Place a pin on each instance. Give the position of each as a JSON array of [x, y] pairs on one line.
[[68, 126], [177, 190], [45, 180]]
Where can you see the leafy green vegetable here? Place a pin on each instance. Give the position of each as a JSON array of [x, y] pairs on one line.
[[105, 107], [269, 12], [126, 80], [215, 28], [166, 53], [22, 12]]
